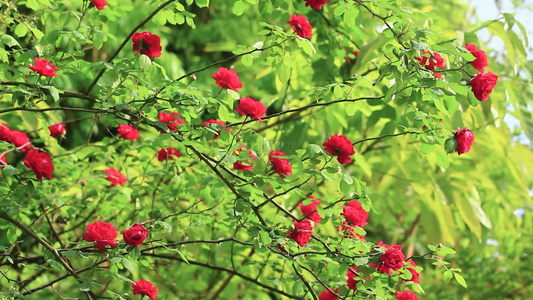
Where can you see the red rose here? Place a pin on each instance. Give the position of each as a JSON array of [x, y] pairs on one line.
[[316, 4], [20, 140], [40, 163], [167, 154], [355, 214], [99, 4], [391, 260], [309, 211], [414, 273], [227, 79], [171, 120], [465, 139], [57, 129], [5, 132], [115, 177], [340, 146], [481, 58], [483, 84], [281, 165], [219, 123], [43, 67], [349, 231], [302, 232], [352, 273], [239, 165], [406, 295], [301, 26], [144, 287], [3, 162], [147, 43], [248, 106], [327, 295], [102, 233], [430, 63], [135, 236], [128, 132]]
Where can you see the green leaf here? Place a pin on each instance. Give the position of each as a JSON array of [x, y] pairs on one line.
[[144, 62], [21, 30], [54, 93], [450, 145], [127, 264], [446, 276], [9, 40], [247, 60], [202, 3], [85, 286], [284, 72], [460, 279], [9, 170], [238, 7]]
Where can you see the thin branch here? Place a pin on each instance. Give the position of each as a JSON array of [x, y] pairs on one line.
[[46, 90], [56, 254], [213, 267]]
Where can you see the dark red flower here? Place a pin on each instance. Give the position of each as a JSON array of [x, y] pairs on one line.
[[434, 59], [281, 165], [391, 260], [327, 295], [309, 211], [316, 4], [40, 163], [5, 132], [144, 287], [20, 140], [355, 214], [43, 67], [102, 233], [406, 295], [57, 129], [349, 231], [254, 109], [219, 123], [147, 43], [414, 273], [483, 84], [352, 274], [465, 139], [301, 26], [227, 79], [340, 146], [239, 165], [115, 177], [481, 60], [302, 232], [136, 235], [167, 154], [171, 120], [99, 4], [128, 132]]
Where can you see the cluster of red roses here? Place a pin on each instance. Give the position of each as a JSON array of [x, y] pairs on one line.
[[391, 260], [39, 162], [482, 85], [103, 234]]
